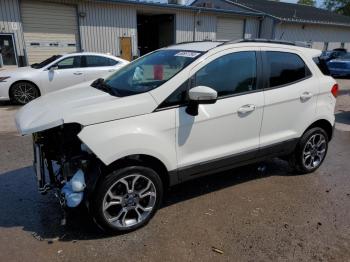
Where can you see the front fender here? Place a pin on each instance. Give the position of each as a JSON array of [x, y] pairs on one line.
[[151, 134]]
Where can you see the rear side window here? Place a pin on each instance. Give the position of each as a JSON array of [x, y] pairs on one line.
[[285, 68], [322, 65], [97, 61]]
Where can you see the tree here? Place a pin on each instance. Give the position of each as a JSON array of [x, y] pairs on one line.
[[339, 6], [307, 2]]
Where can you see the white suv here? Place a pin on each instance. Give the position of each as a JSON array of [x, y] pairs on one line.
[[175, 114]]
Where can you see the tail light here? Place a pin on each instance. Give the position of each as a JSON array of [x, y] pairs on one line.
[[335, 90]]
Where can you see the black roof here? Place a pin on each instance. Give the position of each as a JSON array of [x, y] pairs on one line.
[[284, 11]]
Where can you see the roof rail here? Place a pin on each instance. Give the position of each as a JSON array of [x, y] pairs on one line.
[[270, 41]]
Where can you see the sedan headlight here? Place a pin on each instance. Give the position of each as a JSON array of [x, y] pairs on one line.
[[3, 78]]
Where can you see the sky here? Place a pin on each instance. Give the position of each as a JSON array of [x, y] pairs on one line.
[[319, 2]]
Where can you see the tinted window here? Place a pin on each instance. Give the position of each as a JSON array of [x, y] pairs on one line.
[[230, 74], [285, 68], [178, 97], [97, 61], [70, 62], [322, 65]]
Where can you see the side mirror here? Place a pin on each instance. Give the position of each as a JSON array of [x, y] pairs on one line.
[[53, 68], [200, 95], [203, 95]]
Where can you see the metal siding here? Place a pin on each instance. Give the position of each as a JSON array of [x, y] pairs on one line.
[[10, 22], [267, 28], [251, 28], [104, 24], [184, 26], [205, 27], [315, 34]]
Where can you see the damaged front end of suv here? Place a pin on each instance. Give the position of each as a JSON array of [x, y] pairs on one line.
[[62, 162]]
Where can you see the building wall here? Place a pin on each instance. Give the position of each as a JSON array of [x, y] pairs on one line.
[[251, 28], [10, 22], [184, 27], [205, 27], [267, 28], [103, 25], [315, 34]]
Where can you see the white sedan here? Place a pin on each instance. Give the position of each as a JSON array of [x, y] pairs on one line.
[[22, 85]]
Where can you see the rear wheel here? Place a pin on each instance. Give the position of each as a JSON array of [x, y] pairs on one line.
[[23, 92], [127, 199], [310, 151]]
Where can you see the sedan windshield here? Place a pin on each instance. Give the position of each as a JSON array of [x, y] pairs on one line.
[[45, 62], [149, 72]]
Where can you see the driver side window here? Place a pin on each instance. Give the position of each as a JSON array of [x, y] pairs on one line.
[[230, 74], [69, 62]]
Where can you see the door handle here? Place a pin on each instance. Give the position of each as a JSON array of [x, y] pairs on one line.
[[246, 109], [77, 73], [305, 96]]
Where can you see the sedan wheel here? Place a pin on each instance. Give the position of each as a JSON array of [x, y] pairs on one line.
[[23, 92]]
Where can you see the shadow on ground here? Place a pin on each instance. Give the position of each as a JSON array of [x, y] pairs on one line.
[[22, 206]]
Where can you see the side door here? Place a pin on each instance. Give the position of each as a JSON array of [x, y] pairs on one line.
[[98, 67], [65, 73], [290, 99], [225, 133]]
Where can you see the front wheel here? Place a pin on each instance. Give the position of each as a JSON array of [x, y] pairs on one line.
[[127, 199], [310, 151], [22, 93]]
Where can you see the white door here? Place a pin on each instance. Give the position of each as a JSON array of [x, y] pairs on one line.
[[290, 97], [49, 29], [228, 129], [95, 67], [68, 72], [229, 29]]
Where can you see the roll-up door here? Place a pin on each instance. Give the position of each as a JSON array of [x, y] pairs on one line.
[[49, 29], [229, 29]]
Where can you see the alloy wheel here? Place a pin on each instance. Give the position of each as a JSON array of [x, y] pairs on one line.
[[129, 201], [314, 151], [23, 93]]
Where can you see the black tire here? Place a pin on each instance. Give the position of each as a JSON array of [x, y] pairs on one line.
[[22, 93], [297, 160], [112, 181]]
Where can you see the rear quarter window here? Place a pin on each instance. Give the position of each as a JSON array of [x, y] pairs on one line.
[[322, 65]]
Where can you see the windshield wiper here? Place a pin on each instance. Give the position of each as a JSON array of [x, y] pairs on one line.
[[100, 84]]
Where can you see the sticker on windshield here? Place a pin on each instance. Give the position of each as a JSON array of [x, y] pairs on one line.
[[187, 54]]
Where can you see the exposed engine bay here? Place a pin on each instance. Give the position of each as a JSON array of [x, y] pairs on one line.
[[64, 164]]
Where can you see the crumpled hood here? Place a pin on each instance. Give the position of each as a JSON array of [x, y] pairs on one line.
[[81, 104]]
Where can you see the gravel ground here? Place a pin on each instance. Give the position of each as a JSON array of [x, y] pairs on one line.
[[246, 214]]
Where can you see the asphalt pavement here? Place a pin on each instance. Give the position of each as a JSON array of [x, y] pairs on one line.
[[239, 215]]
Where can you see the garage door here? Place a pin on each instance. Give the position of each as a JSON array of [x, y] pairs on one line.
[[49, 29], [229, 29]]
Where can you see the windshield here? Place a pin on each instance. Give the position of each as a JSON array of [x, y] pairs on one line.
[[149, 72], [45, 62]]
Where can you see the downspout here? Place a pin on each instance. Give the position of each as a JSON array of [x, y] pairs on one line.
[[261, 19]]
